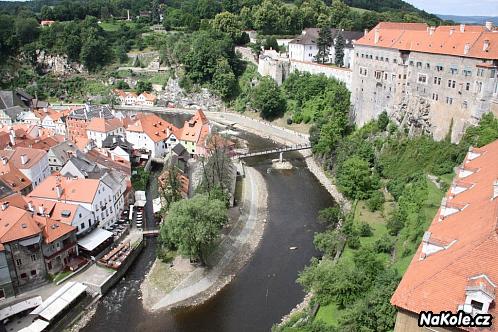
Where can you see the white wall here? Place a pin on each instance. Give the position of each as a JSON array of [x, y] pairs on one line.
[[341, 74]]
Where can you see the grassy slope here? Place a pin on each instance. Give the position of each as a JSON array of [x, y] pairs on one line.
[[330, 313]]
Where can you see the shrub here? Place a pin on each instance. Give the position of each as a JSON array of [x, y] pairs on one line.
[[376, 201], [365, 230], [353, 241], [384, 245]]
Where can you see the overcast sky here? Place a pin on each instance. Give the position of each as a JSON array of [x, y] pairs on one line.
[[458, 7]]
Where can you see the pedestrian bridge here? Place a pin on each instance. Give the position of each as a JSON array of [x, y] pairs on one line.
[[151, 233], [274, 150]]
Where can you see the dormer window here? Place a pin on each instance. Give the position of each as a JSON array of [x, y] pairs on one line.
[[448, 208], [480, 293], [459, 187], [465, 172], [472, 154], [432, 245]]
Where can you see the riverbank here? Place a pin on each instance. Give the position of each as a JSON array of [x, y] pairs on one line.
[[232, 254], [282, 136]]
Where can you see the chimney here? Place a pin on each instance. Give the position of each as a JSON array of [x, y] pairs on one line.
[[45, 110], [58, 191], [41, 210], [365, 32], [5, 205], [485, 46], [376, 35], [489, 25], [30, 206], [495, 189], [452, 29], [462, 27], [24, 159], [466, 48], [431, 30], [4, 160]]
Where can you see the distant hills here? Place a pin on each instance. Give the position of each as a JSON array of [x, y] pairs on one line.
[[470, 19]]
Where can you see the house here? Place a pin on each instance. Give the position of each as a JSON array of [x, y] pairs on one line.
[[60, 154], [55, 120], [93, 194], [12, 104], [121, 95], [15, 181], [118, 183], [81, 167], [78, 119], [131, 99], [74, 215], [194, 133], [146, 99], [46, 23], [29, 117], [150, 132], [304, 47], [21, 242], [33, 163], [436, 80], [112, 142], [99, 129], [455, 266]]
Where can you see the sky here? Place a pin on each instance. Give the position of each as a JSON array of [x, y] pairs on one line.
[[458, 7]]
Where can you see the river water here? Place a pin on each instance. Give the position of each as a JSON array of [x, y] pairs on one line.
[[263, 291]]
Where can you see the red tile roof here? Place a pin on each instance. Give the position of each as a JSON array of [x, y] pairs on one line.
[[76, 190], [152, 125], [102, 125], [448, 40], [438, 281]]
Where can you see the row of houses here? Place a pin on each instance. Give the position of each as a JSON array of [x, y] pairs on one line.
[[132, 99]]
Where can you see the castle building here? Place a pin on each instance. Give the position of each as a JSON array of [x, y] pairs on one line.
[[434, 80]]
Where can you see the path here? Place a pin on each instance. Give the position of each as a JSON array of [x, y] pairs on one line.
[[244, 236]]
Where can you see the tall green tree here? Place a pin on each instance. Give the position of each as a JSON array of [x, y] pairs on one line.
[[323, 43], [224, 81], [268, 99], [228, 23], [339, 50], [193, 226]]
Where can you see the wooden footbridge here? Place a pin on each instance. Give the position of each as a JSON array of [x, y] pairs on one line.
[[274, 150]]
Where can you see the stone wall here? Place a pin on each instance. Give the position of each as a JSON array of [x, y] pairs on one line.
[[57, 64], [341, 74]]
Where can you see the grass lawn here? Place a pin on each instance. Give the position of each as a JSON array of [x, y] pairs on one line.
[[114, 26]]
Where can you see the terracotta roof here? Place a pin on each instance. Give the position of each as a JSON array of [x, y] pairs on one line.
[[16, 180], [52, 229], [195, 127], [438, 281], [102, 125], [148, 96], [32, 155], [119, 164], [75, 190], [464, 41], [152, 125], [16, 224]]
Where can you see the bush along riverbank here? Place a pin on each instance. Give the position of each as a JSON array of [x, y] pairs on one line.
[[396, 183]]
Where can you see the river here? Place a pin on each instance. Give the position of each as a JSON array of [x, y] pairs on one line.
[[263, 291]]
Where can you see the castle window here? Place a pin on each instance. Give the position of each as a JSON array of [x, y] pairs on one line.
[[467, 86], [467, 72], [411, 63], [439, 68], [427, 66], [464, 104], [435, 96], [453, 71], [419, 64], [449, 100], [422, 78]]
